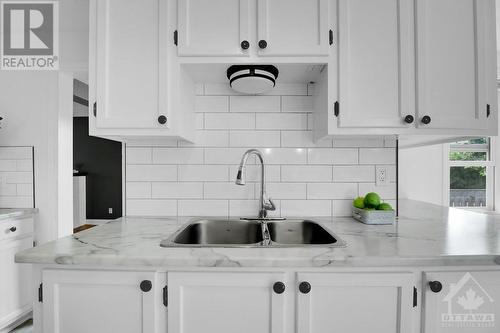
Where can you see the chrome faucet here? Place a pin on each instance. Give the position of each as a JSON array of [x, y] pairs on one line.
[[265, 203]]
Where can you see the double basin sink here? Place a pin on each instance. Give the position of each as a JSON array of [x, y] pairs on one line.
[[252, 233]]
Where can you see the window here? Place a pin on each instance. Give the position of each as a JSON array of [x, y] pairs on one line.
[[471, 173]]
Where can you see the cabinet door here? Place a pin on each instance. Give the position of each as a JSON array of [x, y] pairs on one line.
[[213, 28], [15, 286], [129, 69], [226, 303], [376, 86], [451, 63], [466, 302], [293, 27], [101, 302], [355, 302]]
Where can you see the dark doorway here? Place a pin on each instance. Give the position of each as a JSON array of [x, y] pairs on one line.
[[101, 161]]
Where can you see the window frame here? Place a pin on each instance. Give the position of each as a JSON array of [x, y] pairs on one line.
[[490, 170]]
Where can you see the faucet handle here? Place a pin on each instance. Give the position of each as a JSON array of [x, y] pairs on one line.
[[268, 203]]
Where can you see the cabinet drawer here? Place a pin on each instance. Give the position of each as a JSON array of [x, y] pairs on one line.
[[15, 228]]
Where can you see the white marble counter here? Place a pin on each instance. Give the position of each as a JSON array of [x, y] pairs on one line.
[[17, 213], [425, 235]]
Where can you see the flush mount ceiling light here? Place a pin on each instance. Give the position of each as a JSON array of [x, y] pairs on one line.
[[252, 79]]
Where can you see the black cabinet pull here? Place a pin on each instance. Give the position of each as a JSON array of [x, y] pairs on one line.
[[245, 45], [426, 120], [330, 36], [409, 119], [162, 119], [13, 229], [435, 286], [279, 287], [305, 287], [262, 44], [146, 286]]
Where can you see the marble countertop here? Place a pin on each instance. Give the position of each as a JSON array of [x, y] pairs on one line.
[[424, 235], [10, 213]]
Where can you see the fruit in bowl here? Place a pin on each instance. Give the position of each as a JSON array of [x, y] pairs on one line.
[[371, 201]]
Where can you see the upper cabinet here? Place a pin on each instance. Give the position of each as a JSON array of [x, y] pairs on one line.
[[375, 63], [451, 63], [293, 28], [133, 80], [213, 28]]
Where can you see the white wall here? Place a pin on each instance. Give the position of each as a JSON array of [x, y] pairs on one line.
[[421, 173], [35, 111], [303, 178]]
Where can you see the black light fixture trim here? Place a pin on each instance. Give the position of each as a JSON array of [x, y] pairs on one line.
[[272, 70]]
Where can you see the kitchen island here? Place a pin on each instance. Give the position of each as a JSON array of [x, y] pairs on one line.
[[395, 278]]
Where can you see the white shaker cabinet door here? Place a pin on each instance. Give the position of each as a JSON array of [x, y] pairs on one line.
[[129, 63], [355, 302], [451, 63], [227, 302], [293, 28], [376, 78], [102, 302], [213, 28]]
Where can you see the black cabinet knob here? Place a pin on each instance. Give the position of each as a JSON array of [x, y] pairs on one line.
[[262, 44], [245, 45], [146, 285], [409, 119], [305, 287], [435, 286], [426, 120], [279, 287], [162, 119], [13, 229]]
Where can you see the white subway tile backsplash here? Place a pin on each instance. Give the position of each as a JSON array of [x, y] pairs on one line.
[[306, 208], [151, 207], [354, 173], [189, 173], [377, 156], [297, 104], [281, 121], [16, 153], [139, 155], [211, 104], [8, 189], [176, 190], [306, 173], [24, 165], [332, 191], [24, 190], [16, 177], [228, 190], [304, 178], [232, 121], [203, 208], [178, 156], [16, 202], [255, 103], [9, 165], [137, 173], [254, 139]]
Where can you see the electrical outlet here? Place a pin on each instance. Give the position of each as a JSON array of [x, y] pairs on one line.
[[382, 176], [110, 211]]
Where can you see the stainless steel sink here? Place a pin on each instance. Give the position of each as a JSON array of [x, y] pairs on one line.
[[250, 233]]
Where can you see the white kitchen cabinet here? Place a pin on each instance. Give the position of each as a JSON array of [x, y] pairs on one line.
[[355, 302], [375, 63], [15, 279], [134, 81], [465, 301], [293, 27], [213, 28], [451, 63], [227, 302], [83, 301]]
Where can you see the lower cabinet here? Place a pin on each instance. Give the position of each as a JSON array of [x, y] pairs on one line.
[[463, 301], [354, 302], [220, 302], [83, 301]]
